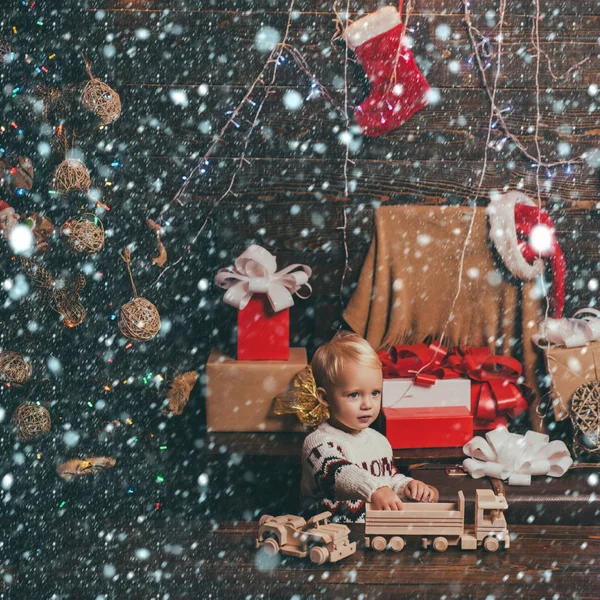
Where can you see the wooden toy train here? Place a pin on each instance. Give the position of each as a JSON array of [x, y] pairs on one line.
[[440, 525]]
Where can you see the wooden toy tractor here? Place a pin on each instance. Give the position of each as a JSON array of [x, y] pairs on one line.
[[291, 535], [440, 525]]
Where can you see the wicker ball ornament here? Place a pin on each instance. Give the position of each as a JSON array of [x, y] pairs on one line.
[[31, 421], [102, 100], [72, 175], [585, 415], [139, 320], [13, 368], [85, 234]]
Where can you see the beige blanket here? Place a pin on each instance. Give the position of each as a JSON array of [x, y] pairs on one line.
[[410, 279]]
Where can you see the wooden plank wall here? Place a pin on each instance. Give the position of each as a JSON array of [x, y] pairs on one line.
[[289, 196]]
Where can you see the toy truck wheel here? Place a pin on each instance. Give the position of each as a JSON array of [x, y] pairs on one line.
[[491, 544], [440, 544], [378, 543], [397, 544], [270, 546], [264, 519], [318, 555]]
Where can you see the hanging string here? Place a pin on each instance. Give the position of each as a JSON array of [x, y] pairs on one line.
[[126, 256]]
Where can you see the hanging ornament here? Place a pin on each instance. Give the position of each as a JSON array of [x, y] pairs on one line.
[[85, 234], [31, 421], [77, 467], [100, 99], [17, 174], [8, 219], [42, 229], [139, 319], [585, 416], [71, 175], [179, 391], [62, 295], [161, 259], [14, 369]]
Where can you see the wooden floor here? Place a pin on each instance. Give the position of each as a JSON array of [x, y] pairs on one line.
[[179, 559]]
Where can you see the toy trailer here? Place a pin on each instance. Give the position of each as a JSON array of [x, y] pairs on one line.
[[440, 525]]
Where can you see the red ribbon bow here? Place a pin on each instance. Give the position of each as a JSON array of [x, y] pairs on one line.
[[495, 387]]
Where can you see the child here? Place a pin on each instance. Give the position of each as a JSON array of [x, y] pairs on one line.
[[344, 462]]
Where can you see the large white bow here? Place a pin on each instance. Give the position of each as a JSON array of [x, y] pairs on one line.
[[571, 332], [255, 272], [516, 457]]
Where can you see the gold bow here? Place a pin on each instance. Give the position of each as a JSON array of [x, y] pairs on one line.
[[301, 399]]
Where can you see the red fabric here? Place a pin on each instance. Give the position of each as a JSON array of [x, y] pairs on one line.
[[3, 205], [526, 218], [432, 427], [398, 88], [496, 390], [262, 333]]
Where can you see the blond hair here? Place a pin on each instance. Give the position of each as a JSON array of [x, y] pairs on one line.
[[330, 359]]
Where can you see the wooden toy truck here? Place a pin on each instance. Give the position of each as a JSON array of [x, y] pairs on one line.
[[440, 525], [317, 538]]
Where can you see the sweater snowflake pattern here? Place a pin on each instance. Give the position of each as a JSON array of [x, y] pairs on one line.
[[340, 471]]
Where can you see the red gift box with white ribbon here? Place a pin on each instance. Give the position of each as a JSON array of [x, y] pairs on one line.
[[497, 391], [263, 297]]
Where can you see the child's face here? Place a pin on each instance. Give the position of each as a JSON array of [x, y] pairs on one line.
[[354, 401]]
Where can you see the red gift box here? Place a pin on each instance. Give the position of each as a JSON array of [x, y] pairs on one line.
[[263, 334], [429, 427], [496, 391], [263, 296]]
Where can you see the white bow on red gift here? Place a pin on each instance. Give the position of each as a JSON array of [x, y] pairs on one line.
[[571, 332], [255, 272], [515, 457]]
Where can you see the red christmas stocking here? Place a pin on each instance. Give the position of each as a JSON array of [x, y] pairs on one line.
[[398, 88]]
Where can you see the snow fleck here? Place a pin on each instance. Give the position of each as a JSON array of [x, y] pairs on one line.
[[454, 67], [266, 39], [424, 240], [593, 89], [21, 239], [443, 32], [593, 285], [142, 33], [109, 51], [71, 438], [433, 96], [292, 100], [7, 481], [109, 571], [179, 97], [44, 149], [203, 479], [473, 273], [564, 149], [593, 479], [541, 238], [54, 365], [142, 553]]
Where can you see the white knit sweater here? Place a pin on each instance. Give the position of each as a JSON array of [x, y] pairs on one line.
[[340, 471]]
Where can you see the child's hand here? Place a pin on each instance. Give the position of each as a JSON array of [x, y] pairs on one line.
[[384, 498], [421, 492]]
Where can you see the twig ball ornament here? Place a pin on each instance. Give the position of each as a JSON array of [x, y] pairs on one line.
[[72, 175], [102, 100], [14, 368], [85, 234], [139, 320], [585, 415], [31, 421]]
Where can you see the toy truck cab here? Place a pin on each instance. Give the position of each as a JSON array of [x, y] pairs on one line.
[[317, 538], [490, 524]]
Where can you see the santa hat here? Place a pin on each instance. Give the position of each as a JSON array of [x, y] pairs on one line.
[[513, 216], [5, 209]]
